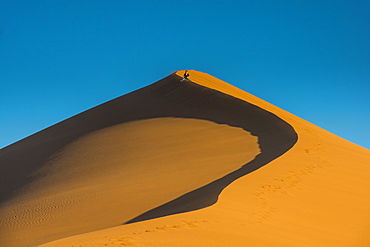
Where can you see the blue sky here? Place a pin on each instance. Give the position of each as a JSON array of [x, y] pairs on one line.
[[61, 57]]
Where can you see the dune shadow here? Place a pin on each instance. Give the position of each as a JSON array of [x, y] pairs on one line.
[[166, 98], [275, 138]]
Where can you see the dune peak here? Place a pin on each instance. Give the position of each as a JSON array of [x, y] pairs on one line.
[[180, 159]]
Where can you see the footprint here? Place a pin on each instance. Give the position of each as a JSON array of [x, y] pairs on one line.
[[122, 241]]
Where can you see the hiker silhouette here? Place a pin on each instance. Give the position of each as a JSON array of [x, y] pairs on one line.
[[186, 75]]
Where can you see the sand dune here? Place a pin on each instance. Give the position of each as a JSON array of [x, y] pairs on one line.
[[194, 163]]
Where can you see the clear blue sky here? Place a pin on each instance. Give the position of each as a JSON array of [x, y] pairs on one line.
[[61, 57]]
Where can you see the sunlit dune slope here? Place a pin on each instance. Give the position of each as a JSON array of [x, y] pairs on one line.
[[169, 148], [315, 194]]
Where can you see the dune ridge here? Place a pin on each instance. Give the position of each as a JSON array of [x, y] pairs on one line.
[[308, 187], [62, 178], [316, 194]]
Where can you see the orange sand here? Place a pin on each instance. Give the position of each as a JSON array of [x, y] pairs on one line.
[[315, 194]]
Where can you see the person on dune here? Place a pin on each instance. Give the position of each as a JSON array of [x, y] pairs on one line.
[[186, 75]]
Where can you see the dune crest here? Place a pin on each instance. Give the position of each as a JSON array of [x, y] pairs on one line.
[[298, 186], [56, 182]]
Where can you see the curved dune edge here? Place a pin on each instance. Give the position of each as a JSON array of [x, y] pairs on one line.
[[275, 138], [166, 98], [314, 195]]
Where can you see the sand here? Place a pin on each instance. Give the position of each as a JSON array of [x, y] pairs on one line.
[[193, 163]]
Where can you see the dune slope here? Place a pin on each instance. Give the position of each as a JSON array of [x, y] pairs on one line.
[[165, 149], [315, 194]]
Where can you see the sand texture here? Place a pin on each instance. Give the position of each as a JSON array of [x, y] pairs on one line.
[[191, 163]]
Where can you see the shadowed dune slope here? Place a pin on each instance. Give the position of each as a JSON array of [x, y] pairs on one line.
[[168, 148], [315, 194]]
